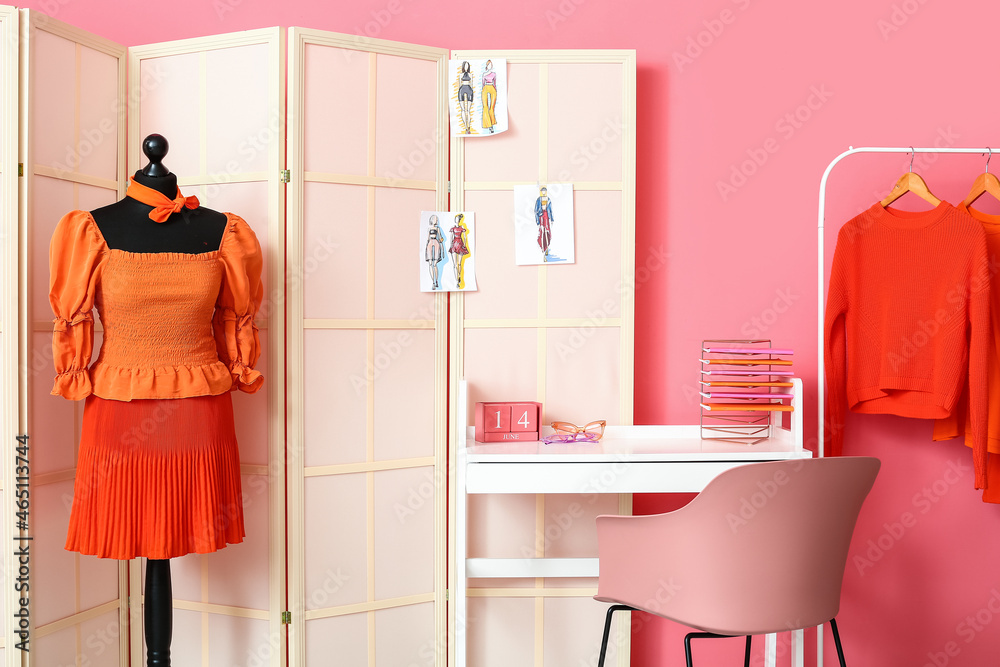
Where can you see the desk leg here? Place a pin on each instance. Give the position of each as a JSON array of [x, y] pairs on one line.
[[625, 619], [819, 645], [798, 648], [770, 650], [461, 601]]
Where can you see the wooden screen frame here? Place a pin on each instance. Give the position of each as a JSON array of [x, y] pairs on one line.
[[32, 21], [274, 38], [299, 38], [626, 323], [11, 418]]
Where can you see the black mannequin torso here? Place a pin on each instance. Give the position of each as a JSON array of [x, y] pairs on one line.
[[126, 225]]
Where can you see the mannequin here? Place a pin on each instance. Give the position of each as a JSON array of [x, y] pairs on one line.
[[177, 288], [126, 225]]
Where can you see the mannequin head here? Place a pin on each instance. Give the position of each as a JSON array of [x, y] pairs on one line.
[[155, 148]]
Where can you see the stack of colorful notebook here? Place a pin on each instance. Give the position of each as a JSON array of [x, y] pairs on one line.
[[743, 384]]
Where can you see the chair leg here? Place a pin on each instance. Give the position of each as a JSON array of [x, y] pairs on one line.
[[836, 641], [709, 635], [607, 629]]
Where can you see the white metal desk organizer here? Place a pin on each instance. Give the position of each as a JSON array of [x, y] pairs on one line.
[[743, 384]]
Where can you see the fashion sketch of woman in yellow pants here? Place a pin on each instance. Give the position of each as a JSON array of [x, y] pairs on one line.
[[489, 97]]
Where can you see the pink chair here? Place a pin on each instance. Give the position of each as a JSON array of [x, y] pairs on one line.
[[762, 549]]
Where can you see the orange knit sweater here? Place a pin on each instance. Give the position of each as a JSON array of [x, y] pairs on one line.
[[908, 319]]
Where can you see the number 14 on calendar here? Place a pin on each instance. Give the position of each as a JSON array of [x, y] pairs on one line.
[[507, 422]]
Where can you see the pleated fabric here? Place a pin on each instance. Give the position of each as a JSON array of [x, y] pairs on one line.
[[158, 478]]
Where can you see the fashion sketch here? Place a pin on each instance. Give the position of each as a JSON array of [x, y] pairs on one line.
[[543, 224], [459, 249], [489, 97], [477, 103], [466, 95], [543, 218], [447, 251], [434, 251]]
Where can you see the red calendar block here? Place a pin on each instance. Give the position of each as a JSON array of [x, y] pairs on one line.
[[496, 418], [524, 417], [501, 422]]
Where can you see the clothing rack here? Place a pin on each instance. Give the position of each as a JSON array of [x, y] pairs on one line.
[[821, 301]]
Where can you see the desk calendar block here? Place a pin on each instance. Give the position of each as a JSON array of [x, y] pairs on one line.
[[496, 418], [524, 417], [508, 422]]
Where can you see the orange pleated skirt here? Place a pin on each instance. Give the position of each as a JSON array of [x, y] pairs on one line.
[[157, 478]]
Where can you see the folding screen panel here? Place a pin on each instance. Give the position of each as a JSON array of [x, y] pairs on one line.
[[219, 102], [72, 110], [559, 333], [10, 401], [367, 354]]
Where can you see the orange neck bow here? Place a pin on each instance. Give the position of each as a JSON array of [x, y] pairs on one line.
[[163, 206]]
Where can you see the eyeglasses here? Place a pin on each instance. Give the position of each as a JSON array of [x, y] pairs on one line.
[[568, 432]]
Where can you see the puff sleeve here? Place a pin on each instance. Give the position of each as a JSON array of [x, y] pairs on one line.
[[76, 253], [236, 336]]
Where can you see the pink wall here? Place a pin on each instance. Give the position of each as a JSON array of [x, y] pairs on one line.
[[720, 83]]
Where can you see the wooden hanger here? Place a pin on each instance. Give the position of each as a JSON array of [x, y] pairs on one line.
[[910, 182], [985, 183]]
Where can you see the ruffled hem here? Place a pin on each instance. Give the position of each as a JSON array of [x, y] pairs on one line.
[[125, 384], [73, 385], [246, 379]]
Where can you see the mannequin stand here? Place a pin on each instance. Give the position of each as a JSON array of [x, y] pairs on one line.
[[158, 613]]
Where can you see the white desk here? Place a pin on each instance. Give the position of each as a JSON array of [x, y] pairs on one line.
[[629, 459]]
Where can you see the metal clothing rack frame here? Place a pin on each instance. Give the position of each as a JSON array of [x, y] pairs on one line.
[[821, 300]]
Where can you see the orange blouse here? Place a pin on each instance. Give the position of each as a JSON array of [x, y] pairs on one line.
[[176, 325]]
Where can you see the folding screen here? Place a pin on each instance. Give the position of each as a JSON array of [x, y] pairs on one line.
[[219, 102], [10, 401], [367, 353], [72, 131], [559, 334]]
